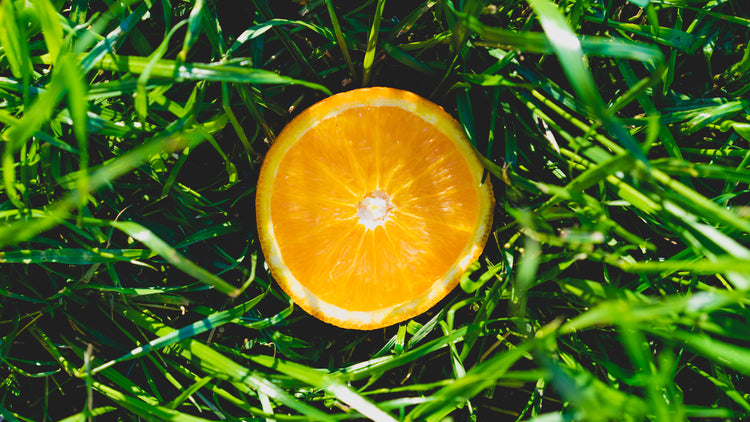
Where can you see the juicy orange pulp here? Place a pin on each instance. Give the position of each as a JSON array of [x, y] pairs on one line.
[[370, 206]]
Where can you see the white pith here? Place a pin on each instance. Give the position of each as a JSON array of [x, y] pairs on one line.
[[374, 209]]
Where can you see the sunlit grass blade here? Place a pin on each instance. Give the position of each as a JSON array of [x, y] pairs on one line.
[[568, 49], [211, 361], [87, 414], [193, 29], [261, 28], [156, 244], [447, 399], [49, 21], [141, 98], [340, 38], [145, 410], [201, 71], [106, 45], [212, 322], [372, 43], [73, 256], [15, 46], [333, 384], [21, 230]]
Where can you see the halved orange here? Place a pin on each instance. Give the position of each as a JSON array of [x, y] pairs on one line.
[[370, 206]]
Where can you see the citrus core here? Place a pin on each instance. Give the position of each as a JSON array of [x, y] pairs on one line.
[[370, 205]]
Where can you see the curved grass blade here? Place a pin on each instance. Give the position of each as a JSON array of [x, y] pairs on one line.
[[193, 30], [333, 384], [15, 46], [568, 49], [207, 359], [213, 72], [107, 45], [340, 38], [156, 244], [88, 414], [141, 98], [215, 320], [73, 256], [540, 43], [372, 43], [482, 376], [23, 230], [406, 59], [734, 356]]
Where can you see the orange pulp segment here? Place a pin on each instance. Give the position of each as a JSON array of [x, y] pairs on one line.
[[370, 206]]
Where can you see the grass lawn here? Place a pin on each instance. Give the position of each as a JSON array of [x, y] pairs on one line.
[[614, 285]]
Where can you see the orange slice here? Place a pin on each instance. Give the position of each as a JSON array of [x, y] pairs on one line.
[[370, 206]]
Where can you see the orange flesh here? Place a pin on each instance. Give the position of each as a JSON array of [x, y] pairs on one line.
[[319, 184]]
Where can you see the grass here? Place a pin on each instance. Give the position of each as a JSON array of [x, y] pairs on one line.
[[614, 285]]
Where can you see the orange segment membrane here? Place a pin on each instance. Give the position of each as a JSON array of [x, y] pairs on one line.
[[320, 182]]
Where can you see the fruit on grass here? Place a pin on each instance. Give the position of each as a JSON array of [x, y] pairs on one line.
[[370, 205]]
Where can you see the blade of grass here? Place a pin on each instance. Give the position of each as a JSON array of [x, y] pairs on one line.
[[340, 38], [193, 30], [448, 398], [141, 104], [52, 31], [568, 49], [159, 246], [202, 71], [212, 362], [214, 321], [143, 409], [72, 256], [23, 230], [15, 47], [372, 43]]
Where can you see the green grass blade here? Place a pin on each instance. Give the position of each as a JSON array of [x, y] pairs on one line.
[[568, 49], [211, 361], [448, 398], [14, 43], [141, 98], [49, 21], [193, 30], [331, 383], [340, 38], [159, 246], [372, 43], [212, 322], [21, 230], [106, 46], [164, 68], [734, 356], [87, 414], [143, 409], [72, 256]]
